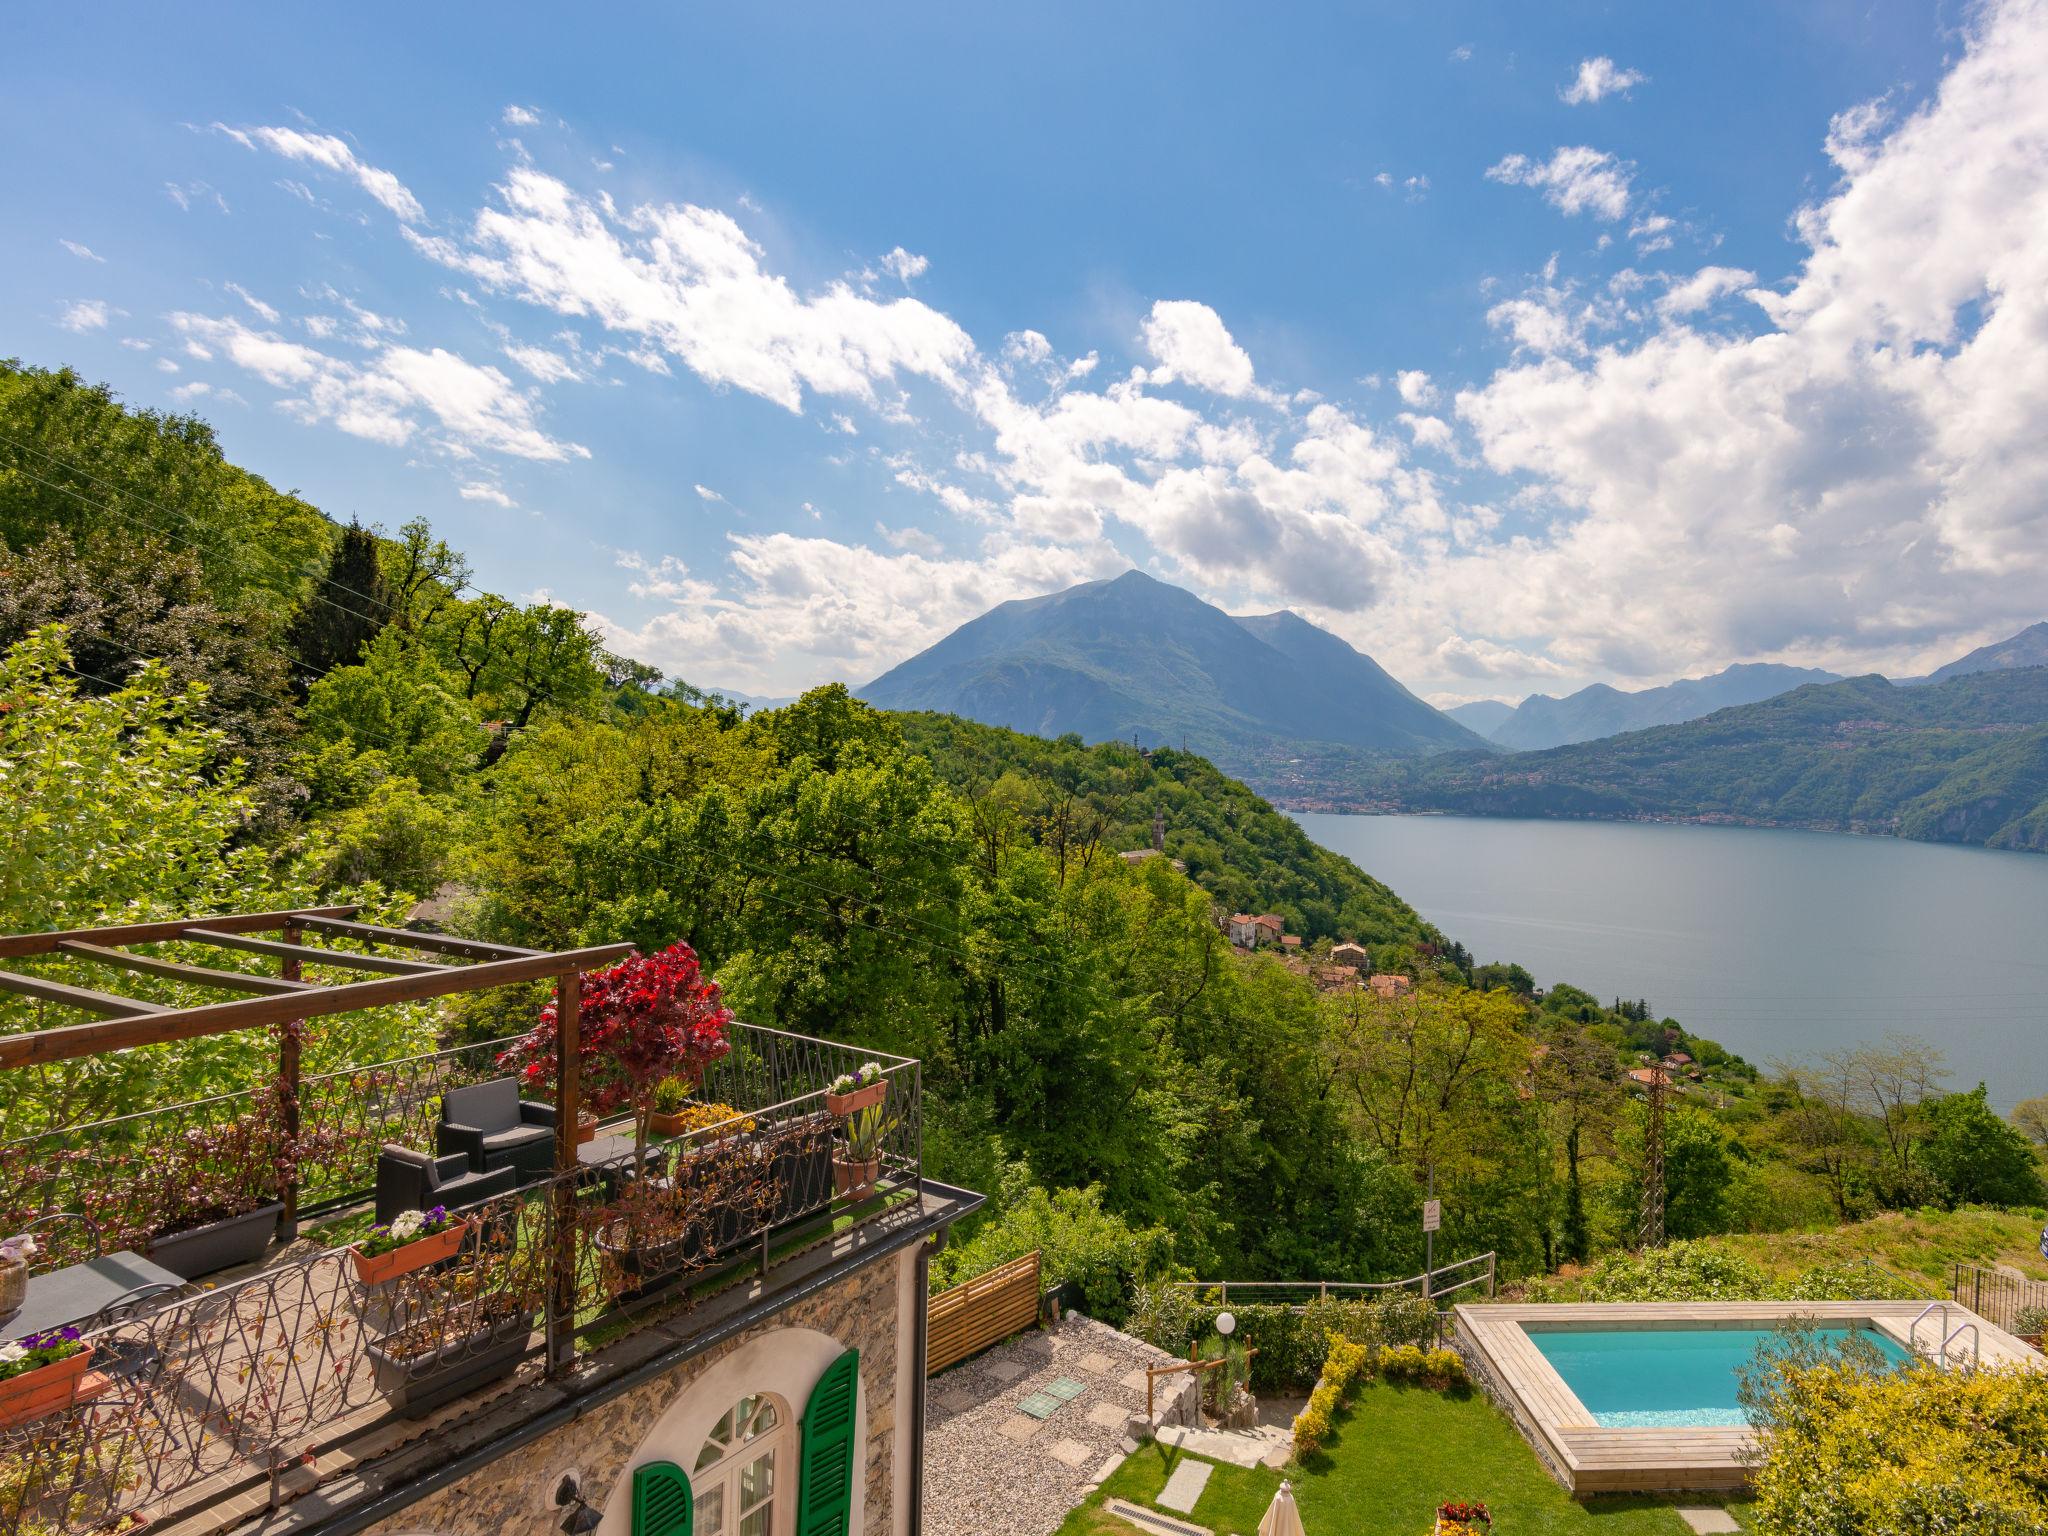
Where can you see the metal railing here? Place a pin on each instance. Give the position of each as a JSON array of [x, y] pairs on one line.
[[1995, 1296], [229, 1386], [1481, 1270]]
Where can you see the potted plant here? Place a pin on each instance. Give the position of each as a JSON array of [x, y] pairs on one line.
[[647, 1019], [469, 1329], [414, 1240], [215, 1190], [857, 1161], [43, 1374], [1462, 1519], [853, 1091], [676, 1111]]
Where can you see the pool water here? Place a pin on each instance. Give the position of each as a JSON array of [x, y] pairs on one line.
[[1637, 1378]]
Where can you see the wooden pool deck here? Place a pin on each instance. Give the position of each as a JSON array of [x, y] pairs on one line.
[[1589, 1458]]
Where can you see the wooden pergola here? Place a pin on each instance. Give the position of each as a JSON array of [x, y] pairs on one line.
[[288, 998]]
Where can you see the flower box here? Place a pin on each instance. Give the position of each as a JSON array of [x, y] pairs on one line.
[[857, 1099], [378, 1268], [854, 1180], [218, 1244], [49, 1389], [1463, 1520], [418, 1381]]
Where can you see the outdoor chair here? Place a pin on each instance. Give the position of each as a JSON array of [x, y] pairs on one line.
[[498, 1129], [413, 1181], [55, 1252]]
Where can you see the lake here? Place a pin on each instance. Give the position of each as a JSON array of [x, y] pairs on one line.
[[1775, 943]]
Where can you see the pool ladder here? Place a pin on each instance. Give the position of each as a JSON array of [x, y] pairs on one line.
[[1948, 1336]]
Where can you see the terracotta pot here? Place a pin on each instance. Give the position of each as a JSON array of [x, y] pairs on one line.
[[586, 1131], [376, 1269], [852, 1179], [860, 1098], [49, 1389]]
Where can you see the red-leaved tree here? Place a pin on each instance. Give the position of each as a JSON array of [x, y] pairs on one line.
[[640, 1022]]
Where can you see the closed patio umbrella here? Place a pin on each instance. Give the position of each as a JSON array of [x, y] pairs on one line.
[[1282, 1519]]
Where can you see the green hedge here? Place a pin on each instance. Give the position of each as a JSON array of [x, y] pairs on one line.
[[1291, 1345]]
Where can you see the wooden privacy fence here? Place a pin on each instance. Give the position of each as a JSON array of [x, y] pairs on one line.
[[980, 1312]]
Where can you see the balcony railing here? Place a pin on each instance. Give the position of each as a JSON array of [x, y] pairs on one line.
[[210, 1389]]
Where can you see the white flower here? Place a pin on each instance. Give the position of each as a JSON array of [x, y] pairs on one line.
[[11, 1352], [22, 1248], [407, 1225]]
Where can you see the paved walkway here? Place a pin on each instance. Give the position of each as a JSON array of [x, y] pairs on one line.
[[1267, 1443], [993, 1467]]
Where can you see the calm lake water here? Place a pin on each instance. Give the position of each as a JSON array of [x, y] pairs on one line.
[[1777, 944]]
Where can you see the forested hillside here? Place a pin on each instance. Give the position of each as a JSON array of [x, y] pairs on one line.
[[212, 697], [1961, 761]]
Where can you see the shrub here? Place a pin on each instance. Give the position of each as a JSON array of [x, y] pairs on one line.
[[1404, 1362], [2031, 1322], [1444, 1369], [1311, 1430], [1890, 1452], [1850, 1282], [1680, 1272], [1082, 1245]]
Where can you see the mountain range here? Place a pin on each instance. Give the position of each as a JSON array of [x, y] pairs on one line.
[[1543, 721], [1136, 659], [2028, 648]]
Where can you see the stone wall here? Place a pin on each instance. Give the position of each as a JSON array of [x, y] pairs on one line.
[[512, 1496]]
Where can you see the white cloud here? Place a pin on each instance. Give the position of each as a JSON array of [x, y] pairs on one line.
[[1462, 54], [482, 490], [331, 153], [1427, 431], [706, 493], [188, 194], [269, 314], [548, 367], [389, 398], [82, 252], [86, 315], [199, 389], [1600, 77], [1703, 289], [687, 282], [1192, 346], [1415, 387], [520, 117], [1652, 233], [1574, 180], [904, 266], [165, 365]]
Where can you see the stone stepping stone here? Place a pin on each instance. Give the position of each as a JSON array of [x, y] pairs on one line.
[[1066, 1389], [1069, 1453], [1096, 1363], [1708, 1521], [1109, 1415], [1017, 1427], [1135, 1380], [1005, 1371], [953, 1400], [1040, 1405], [1185, 1486]]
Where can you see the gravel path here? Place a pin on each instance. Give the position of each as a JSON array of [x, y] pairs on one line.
[[992, 1471]]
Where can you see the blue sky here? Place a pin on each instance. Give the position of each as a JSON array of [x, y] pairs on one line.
[[1522, 345]]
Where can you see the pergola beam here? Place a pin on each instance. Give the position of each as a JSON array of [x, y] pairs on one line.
[[173, 970], [160, 1025], [16, 944], [106, 1004], [405, 938], [387, 965]]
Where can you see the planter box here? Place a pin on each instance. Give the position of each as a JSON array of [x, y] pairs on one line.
[[378, 1269], [416, 1386], [217, 1245], [586, 1131], [854, 1180], [860, 1098], [49, 1389]]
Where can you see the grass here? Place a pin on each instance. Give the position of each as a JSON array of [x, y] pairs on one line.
[[1923, 1244], [1396, 1454]]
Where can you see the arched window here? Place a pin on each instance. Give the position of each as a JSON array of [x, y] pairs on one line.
[[744, 1477]]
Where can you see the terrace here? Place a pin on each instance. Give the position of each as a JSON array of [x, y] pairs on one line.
[[204, 1400]]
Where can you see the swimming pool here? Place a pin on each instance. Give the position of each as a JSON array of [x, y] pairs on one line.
[[1643, 1378]]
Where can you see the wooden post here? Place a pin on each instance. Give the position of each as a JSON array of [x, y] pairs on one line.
[[290, 1049], [568, 1104]]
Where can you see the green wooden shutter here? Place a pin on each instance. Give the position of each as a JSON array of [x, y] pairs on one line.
[[661, 1500], [825, 1494]]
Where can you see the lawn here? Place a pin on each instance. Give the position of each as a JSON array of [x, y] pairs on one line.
[[1397, 1453], [1923, 1244]]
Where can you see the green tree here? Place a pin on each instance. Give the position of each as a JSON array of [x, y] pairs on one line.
[[1697, 1170], [397, 704], [1980, 1158], [2031, 1118], [347, 609]]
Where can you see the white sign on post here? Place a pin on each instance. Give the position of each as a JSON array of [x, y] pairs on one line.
[[1432, 1215]]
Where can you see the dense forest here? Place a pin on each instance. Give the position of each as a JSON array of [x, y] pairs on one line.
[[1964, 760], [214, 697]]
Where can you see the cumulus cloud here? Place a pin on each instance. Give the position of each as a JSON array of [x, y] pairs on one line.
[[392, 397], [1416, 388], [333, 154], [82, 252], [1599, 77], [903, 266], [1192, 346], [1703, 289], [1577, 179], [516, 116], [483, 490]]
